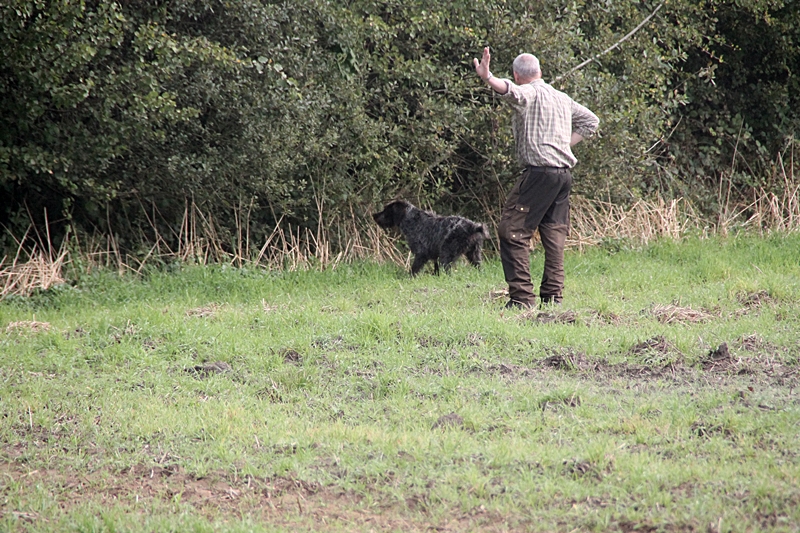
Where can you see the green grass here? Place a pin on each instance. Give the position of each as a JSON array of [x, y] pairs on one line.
[[327, 419]]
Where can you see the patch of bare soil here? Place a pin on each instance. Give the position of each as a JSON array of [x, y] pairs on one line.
[[568, 401], [718, 360], [755, 343], [77, 333], [654, 345], [473, 339], [606, 317], [208, 369], [627, 526], [660, 359], [539, 317], [508, 370], [426, 341], [452, 420], [278, 501], [292, 357], [701, 429], [570, 360], [755, 299], [578, 468]]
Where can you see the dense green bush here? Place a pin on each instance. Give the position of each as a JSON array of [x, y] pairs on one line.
[[115, 115]]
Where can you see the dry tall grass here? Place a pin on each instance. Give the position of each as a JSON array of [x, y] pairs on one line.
[[344, 238], [594, 221], [36, 267]]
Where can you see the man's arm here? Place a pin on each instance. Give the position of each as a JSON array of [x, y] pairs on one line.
[[584, 123], [482, 69]]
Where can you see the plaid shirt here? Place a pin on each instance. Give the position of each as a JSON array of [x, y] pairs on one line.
[[543, 122]]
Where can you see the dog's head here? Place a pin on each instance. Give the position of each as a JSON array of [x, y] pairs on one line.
[[392, 214]]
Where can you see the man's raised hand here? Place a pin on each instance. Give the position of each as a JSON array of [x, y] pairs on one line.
[[482, 68]]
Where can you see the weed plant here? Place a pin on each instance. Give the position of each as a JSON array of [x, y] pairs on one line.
[[660, 397]]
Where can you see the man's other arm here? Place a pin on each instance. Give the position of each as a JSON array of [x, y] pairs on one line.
[[584, 123]]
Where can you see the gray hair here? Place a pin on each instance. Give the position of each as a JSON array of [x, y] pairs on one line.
[[527, 66]]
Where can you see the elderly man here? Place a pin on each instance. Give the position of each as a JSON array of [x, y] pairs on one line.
[[546, 124]]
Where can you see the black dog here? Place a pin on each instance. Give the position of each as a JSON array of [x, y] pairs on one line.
[[434, 237]]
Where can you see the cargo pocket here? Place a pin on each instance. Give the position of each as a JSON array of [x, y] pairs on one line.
[[512, 223]]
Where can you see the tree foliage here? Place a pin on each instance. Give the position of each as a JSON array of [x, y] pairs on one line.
[[115, 114]]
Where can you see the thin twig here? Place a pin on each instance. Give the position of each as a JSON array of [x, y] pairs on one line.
[[612, 47]]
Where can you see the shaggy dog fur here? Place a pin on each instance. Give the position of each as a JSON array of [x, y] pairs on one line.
[[432, 237]]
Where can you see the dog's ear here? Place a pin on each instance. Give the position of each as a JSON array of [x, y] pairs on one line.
[[397, 211]]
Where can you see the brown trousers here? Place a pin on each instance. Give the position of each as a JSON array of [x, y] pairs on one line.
[[539, 199]]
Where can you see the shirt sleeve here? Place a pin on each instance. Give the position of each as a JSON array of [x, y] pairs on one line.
[[584, 122], [515, 95]]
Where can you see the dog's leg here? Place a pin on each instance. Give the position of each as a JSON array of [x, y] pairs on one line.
[[473, 254], [419, 262], [447, 261], [450, 252], [435, 267]]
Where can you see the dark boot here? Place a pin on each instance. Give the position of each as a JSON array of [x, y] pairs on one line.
[[549, 299]]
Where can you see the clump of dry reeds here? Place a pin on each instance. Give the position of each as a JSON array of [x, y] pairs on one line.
[[644, 221], [346, 237], [36, 267], [335, 239]]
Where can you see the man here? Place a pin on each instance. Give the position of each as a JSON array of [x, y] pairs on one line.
[[546, 124]]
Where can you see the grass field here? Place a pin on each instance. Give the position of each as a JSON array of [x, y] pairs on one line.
[[661, 397]]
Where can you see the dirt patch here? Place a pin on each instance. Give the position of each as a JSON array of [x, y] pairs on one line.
[[509, 370], [426, 341], [570, 360], [278, 501], [328, 343], [718, 360], [755, 299], [701, 429], [654, 346], [565, 401], [209, 369], [755, 343], [660, 359], [606, 318], [292, 357], [538, 317], [451, 421], [474, 339], [577, 468], [626, 526], [77, 333]]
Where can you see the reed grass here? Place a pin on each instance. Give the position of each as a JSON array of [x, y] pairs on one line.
[[344, 238]]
